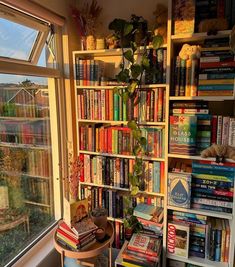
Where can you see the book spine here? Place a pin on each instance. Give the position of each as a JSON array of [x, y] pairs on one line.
[[182, 77], [231, 137]]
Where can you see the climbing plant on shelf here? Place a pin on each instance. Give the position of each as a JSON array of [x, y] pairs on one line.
[[134, 63]]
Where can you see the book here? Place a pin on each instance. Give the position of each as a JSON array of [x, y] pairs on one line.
[[178, 239], [144, 211], [83, 227], [145, 244], [179, 189]]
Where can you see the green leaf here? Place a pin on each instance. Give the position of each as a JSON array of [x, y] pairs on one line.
[[129, 55], [136, 134], [135, 70], [125, 96], [128, 27], [123, 76], [132, 125], [117, 25], [133, 46], [143, 141], [131, 88], [136, 150], [134, 190], [157, 41], [145, 62]]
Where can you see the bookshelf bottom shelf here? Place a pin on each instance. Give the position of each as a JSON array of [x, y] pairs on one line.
[[199, 261]]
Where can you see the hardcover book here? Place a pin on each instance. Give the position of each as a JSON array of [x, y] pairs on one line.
[[179, 188], [178, 239], [183, 132]]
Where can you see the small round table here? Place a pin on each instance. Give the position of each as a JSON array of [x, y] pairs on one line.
[[87, 257]]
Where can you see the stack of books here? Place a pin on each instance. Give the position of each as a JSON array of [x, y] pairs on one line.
[[78, 237], [142, 250], [216, 74], [213, 186], [151, 218]]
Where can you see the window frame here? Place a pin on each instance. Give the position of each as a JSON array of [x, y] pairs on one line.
[[58, 121], [41, 26]]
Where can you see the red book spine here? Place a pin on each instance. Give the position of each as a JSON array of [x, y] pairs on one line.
[[68, 236], [162, 177], [214, 129], [217, 64], [81, 158], [109, 145]]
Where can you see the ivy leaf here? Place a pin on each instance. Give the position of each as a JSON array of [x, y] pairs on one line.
[[143, 141], [133, 46], [134, 190], [136, 134], [136, 150], [132, 125], [135, 70], [125, 96], [131, 88], [145, 62], [129, 56], [157, 41], [128, 27], [123, 76]]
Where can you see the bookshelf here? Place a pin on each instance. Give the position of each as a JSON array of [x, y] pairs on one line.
[[25, 146], [112, 57], [217, 105]]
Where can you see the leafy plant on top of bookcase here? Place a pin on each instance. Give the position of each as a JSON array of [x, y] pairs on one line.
[[131, 74]]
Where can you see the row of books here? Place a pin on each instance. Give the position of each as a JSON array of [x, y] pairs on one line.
[[120, 140], [34, 162], [36, 190], [108, 105], [191, 134], [209, 187], [88, 72], [24, 110], [157, 61], [213, 186], [198, 236], [113, 200], [115, 172], [141, 250], [216, 70], [25, 133]]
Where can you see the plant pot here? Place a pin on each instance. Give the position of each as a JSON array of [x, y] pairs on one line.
[[99, 217]]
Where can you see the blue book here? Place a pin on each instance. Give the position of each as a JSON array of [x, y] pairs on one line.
[[179, 189], [156, 176], [207, 166], [216, 87], [144, 211]]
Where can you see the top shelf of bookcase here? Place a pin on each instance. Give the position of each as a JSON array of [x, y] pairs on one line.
[[182, 38], [109, 52]]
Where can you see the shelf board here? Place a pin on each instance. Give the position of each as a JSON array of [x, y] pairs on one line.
[[215, 214], [118, 155], [115, 219], [121, 189], [205, 98], [187, 37], [110, 52], [122, 122], [109, 87], [37, 204], [179, 156], [24, 118], [198, 261], [28, 146]]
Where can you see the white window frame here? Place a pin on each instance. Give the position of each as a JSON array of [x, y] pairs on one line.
[[42, 27], [58, 141]]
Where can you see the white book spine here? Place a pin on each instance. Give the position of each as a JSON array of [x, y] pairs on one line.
[[231, 138]]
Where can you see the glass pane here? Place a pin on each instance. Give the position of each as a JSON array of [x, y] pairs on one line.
[[26, 193], [16, 40]]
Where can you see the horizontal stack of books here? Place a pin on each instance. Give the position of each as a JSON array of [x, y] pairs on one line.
[[120, 140], [78, 237], [217, 72], [213, 186], [142, 250], [108, 105], [151, 218]]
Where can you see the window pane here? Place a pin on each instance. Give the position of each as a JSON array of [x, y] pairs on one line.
[[26, 193], [16, 41]]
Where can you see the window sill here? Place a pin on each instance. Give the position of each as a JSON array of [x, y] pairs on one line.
[[38, 252]]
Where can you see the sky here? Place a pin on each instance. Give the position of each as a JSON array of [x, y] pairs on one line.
[[16, 41]]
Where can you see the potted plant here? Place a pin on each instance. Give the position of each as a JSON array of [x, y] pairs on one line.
[[99, 217]]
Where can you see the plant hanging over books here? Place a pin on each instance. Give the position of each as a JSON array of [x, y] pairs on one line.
[[134, 64]]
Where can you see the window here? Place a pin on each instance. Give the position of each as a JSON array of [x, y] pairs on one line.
[[29, 135]]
